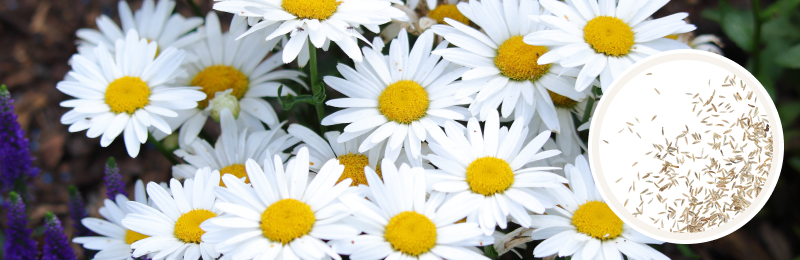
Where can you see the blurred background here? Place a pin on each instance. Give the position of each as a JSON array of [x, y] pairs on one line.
[[37, 38]]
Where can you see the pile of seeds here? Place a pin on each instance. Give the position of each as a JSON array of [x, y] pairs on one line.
[[717, 170]]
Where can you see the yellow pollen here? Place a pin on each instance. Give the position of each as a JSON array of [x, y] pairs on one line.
[[609, 35], [411, 233], [447, 11], [404, 102], [127, 94], [489, 175], [354, 168], [219, 78], [133, 236], [286, 220], [187, 229], [597, 220], [518, 60], [237, 170], [311, 9], [562, 101]]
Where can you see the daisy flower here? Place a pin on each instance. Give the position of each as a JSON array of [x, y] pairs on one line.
[[568, 141], [126, 92], [114, 239], [316, 21], [605, 37], [400, 223], [585, 227], [226, 64], [283, 215], [432, 14], [705, 42], [232, 149], [484, 171], [154, 22], [400, 97], [504, 69], [173, 225]]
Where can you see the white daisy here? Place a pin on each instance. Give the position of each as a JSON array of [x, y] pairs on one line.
[[113, 240], [585, 227], [232, 149], [129, 91], [568, 141], [315, 21], [401, 97], [283, 215], [173, 225], [605, 37], [706, 42], [400, 223], [154, 22], [484, 170], [227, 64], [432, 14], [503, 68]]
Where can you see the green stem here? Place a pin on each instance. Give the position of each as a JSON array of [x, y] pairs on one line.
[[160, 147], [587, 113], [756, 44], [316, 86], [195, 8]]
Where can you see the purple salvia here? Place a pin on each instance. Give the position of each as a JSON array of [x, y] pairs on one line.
[[56, 245], [114, 183], [77, 212], [15, 156], [19, 245]]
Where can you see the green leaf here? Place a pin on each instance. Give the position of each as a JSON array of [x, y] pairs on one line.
[[780, 8], [737, 24], [790, 58], [490, 252], [686, 251], [788, 112], [794, 162]]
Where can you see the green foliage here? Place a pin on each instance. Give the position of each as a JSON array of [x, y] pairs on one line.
[[686, 251]]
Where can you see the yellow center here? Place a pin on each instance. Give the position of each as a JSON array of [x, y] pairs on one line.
[[672, 36], [237, 170], [519, 61], [489, 175], [133, 236], [311, 9], [219, 78], [187, 229], [411, 233], [562, 101], [447, 11], [404, 102], [127, 94], [609, 35], [597, 220], [354, 168], [286, 220]]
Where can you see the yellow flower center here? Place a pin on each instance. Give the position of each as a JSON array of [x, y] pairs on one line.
[[447, 11], [672, 36], [518, 60], [311, 9], [562, 101], [133, 236], [354, 168], [489, 175], [127, 94], [411, 233], [597, 220], [404, 102], [286, 220], [219, 78], [187, 229], [609, 35], [237, 170]]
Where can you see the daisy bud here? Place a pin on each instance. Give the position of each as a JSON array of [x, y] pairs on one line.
[[224, 99]]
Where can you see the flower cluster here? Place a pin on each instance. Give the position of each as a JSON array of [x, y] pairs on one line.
[[459, 124]]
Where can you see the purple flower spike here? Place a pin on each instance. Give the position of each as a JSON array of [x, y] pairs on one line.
[[19, 245], [77, 212], [114, 183], [15, 156], [56, 245]]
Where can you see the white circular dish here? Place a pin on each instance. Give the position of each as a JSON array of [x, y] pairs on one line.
[[664, 85]]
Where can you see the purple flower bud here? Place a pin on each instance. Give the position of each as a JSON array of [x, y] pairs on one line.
[[56, 245], [15, 156], [19, 245], [114, 183]]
